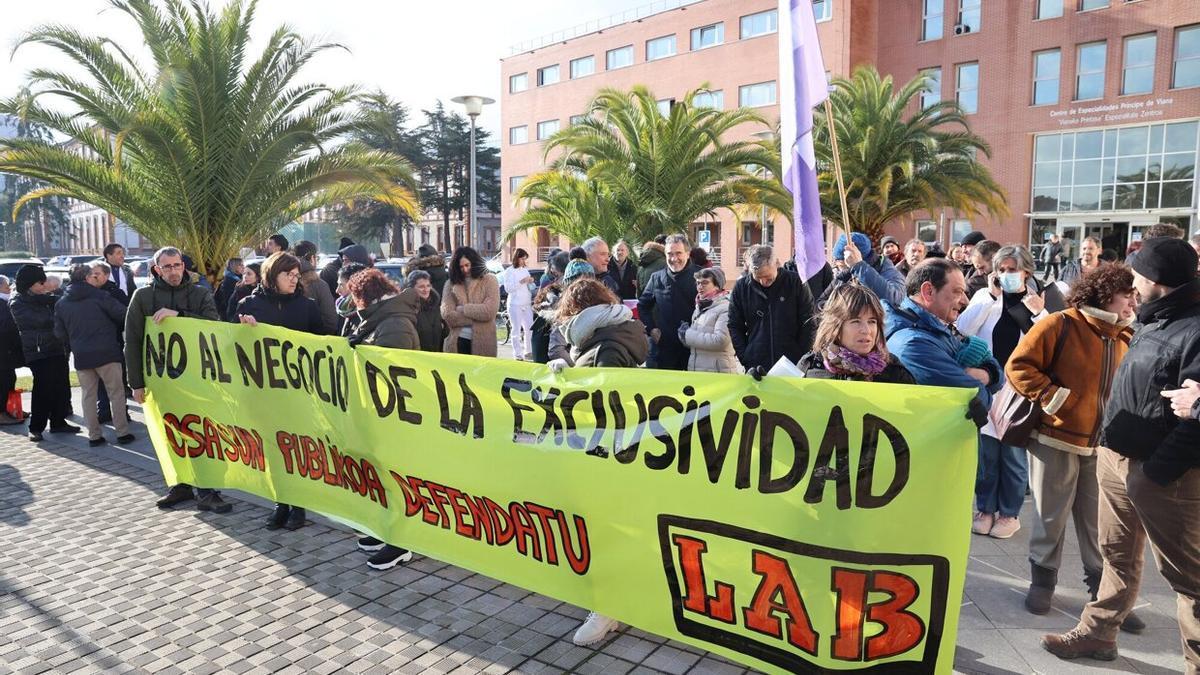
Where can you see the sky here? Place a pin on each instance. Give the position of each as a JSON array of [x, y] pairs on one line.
[[417, 51]]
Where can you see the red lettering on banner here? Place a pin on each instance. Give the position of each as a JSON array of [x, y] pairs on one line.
[[696, 598], [778, 582]]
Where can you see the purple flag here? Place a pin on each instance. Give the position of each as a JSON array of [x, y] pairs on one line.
[[802, 86]]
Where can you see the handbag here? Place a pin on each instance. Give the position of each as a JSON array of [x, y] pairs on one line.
[[1015, 417], [13, 405]]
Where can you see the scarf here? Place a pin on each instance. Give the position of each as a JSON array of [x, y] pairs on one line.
[[842, 361], [705, 300]]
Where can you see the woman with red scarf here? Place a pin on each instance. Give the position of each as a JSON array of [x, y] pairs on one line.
[[850, 344], [707, 335]]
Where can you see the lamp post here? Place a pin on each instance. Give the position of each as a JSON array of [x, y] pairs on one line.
[[474, 106], [765, 136]]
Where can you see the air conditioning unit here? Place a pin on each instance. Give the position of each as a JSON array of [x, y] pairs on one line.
[[961, 29]]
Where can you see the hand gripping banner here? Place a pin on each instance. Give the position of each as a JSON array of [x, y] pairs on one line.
[[792, 525]]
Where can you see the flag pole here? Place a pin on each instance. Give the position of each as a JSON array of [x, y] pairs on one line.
[[837, 168]]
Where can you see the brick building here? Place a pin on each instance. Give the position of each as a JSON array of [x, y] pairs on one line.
[[1091, 107]]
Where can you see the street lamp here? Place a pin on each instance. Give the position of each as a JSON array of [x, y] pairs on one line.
[[765, 136], [474, 106]]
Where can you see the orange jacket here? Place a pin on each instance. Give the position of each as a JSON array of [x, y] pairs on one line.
[[1073, 409]]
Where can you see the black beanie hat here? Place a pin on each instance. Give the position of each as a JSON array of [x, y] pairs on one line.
[[28, 275], [1164, 260], [346, 241], [973, 238]]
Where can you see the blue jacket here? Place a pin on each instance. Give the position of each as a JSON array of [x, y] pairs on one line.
[[927, 348], [876, 273]]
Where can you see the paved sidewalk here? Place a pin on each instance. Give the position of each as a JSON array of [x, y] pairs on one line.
[[93, 578]]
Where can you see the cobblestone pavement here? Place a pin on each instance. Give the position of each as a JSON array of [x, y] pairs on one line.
[[93, 578]]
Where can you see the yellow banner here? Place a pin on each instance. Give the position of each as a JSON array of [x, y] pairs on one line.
[[792, 525]]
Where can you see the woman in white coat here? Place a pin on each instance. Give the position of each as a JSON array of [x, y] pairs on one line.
[[708, 333], [518, 283], [999, 315]]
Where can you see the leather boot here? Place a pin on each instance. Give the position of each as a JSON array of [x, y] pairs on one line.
[[1075, 644], [1133, 623], [295, 519], [1041, 589], [278, 517]]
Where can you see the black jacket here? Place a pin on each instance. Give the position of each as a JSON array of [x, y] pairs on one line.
[[813, 365], [127, 273], [391, 323], [430, 327], [294, 311], [240, 292], [89, 322], [34, 316], [626, 280], [622, 345], [329, 274], [767, 323], [225, 291], [1165, 351], [668, 300], [11, 355]]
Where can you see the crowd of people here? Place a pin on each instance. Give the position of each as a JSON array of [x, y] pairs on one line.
[[1108, 355]]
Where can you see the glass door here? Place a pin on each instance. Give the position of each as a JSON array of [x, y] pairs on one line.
[[1113, 236]]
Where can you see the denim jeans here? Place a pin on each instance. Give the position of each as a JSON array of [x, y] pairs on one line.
[[1001, 478]]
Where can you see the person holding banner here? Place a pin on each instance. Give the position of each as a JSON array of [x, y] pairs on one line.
[[470, 301], [279, 301], [1072, 391], [171, 293], [850, 344], [603, 334]]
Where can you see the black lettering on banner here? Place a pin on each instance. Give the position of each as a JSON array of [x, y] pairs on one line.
[[771, 421], [746, 443], [835, 448], [552, 423], [470, 419], [714, 454], [520, 435], [574, 440], [627, 454], [251, 368], [168, 357], [872, 426], [660, 433], [684, 463]]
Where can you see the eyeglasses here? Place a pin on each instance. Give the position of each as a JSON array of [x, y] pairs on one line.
[[172, 266], [294, 275]]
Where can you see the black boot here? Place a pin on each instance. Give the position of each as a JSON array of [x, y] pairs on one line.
[[1041, 589], [295, 519], [278, 517], [176, 495]]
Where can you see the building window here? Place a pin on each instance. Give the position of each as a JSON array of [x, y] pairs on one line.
[[1085, 5], [708, 36], [546, 129], [959, 229], [583, 66], [1187, 58], [970, 15], [620, 57], [660, 48], [710, 99], [514, 184], [1140, 167], [1049, 9], [762, 23], [927, 231], [931, 19], [547, 75], [931, 95], [1089, 67], [757, 95], [576, 119], [517, 83], [665, 105], [518, 135], [1137, 76], [966, 91], [1046, 67], [822, 10]]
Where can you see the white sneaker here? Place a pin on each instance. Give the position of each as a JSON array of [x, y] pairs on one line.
[[595, 629]]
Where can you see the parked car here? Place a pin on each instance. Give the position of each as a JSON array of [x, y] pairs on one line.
[[9, 266], [61, 266], [141, 271]]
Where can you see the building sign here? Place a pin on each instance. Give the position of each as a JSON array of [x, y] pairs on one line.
[[1113, 113]]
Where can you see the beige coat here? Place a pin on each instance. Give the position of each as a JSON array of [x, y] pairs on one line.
[[474, 305], [708, 338]]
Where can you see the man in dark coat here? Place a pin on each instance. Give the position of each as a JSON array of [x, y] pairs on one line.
[[329, 273], [771, 313], [623, 270], [171, 293], [89, 320], [33, 311], [668, 301], [119, 274], [1148, 461]]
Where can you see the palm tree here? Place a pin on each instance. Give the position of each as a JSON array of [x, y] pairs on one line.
[[662, 172], [207, 150], [569, 206], [895, 162]]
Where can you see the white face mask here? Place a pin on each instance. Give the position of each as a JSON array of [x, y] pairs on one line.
[[1011, 282]]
